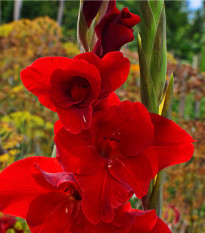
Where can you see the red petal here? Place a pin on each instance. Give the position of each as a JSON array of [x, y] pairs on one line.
[[128, 19], [111, 13], [42, 207], [133, 130], [114, 71], [144, 221], [74, 119], [51, 213], [134, 171], [54, 181], [36, 77], [77, 154], [111, 100], [148, 222], [168, 132], [114, 29], [135, 127], [18, 187], [161, 227], [171, 145], [58, 126], [100, 195], [115, 37], [91, 58], [120, 223], [90, 10]]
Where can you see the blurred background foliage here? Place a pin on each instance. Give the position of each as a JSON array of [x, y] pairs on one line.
[[184, 27], [26, 127]]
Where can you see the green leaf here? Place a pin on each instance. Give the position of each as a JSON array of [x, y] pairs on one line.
[[147, 90]]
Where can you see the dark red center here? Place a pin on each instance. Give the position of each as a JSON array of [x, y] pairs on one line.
[[75, 90], [72, 193], [79, 89], [107, 146]]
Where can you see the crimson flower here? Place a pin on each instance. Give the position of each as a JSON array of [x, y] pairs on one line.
[[38, 190], [114, 29], [123, 150], [72, 87]]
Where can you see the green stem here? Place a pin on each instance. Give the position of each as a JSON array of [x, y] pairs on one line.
[[156, 199], [153, 63]]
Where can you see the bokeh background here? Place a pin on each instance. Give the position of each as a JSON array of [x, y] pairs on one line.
[[33, 29]]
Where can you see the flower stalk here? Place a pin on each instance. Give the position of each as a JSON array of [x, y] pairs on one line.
[[153, 64], [156, 199]]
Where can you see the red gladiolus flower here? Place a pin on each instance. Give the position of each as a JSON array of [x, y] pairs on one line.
[[123, 150], [38, 190], [115, 29], [72, 87], [6, 222]]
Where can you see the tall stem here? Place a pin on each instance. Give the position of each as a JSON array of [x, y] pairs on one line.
[[153, 64]]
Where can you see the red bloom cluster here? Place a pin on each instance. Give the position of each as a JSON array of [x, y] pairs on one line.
[[119, 148], [107, 150]]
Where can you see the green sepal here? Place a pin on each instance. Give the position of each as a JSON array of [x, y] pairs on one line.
[[92, 38], [156, 6], [148, 29], [86, 36], [82, 29], [147, 90]]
